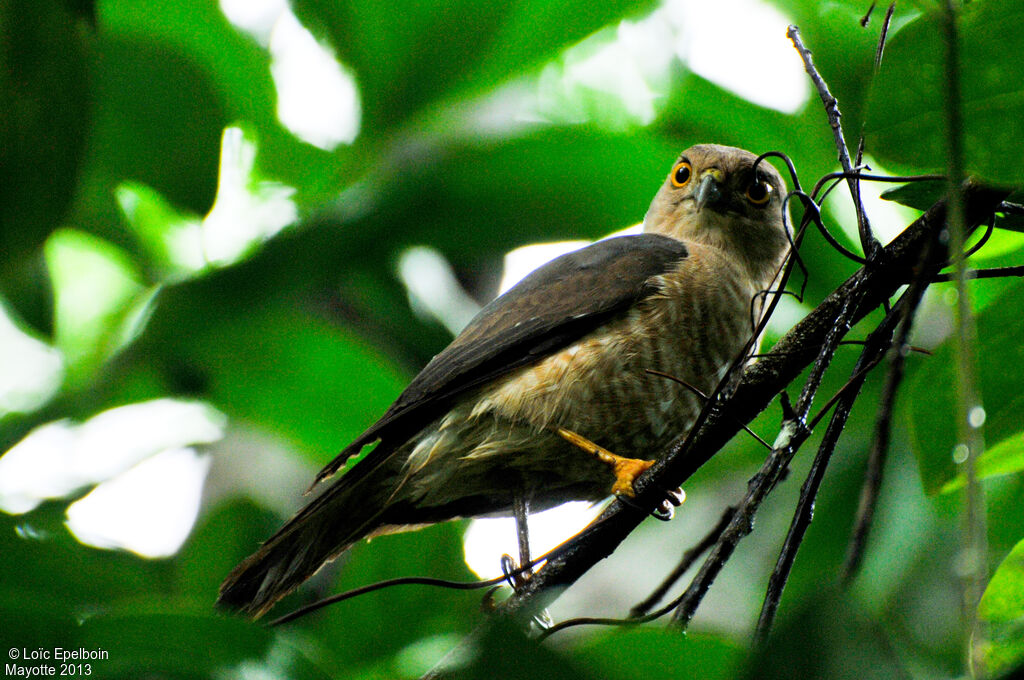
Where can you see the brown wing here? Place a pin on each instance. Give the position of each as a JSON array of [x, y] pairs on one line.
[[552, 307]]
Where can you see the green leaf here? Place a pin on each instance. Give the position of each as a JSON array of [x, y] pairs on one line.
[[906, 119], [237, 72], [95, 288], [406, 60], [1005, 458], [917, 195], [225, 536], [922, 195], [351, 628], [932, 392], [826, 637], [42, 121], [280, 367], [643, 652], [154, 640], [504, 652], [1001, 611], [43, 561]]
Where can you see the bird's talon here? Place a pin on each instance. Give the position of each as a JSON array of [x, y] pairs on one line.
[[540, 622], [676, 496], [664, 512]]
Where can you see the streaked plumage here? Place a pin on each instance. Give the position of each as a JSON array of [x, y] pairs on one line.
[[568, 347]]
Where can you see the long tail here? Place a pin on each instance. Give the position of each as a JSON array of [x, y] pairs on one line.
[[321, 531]]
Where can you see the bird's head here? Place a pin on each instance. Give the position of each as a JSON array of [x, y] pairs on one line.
[[714, 196]]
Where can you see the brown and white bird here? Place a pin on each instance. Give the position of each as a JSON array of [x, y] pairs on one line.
[[557, 364]]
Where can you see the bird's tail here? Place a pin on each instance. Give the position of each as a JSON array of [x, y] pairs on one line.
[[321, 531]]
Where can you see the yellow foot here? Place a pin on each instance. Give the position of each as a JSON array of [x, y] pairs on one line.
[[626, 469]]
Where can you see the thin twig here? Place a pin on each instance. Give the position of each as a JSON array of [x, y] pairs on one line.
[[874, 348], [794, 433], [883, 35], [867, 16], [696, 390], [993, 273], [868, 242], [886, 404], [380, 585], [742, 522], [685, 562], [757, 387], [1008, 208], [415, 581]]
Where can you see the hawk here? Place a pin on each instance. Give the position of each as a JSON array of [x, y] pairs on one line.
[[549, 385]]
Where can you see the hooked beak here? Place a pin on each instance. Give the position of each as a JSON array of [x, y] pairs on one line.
[[709, 191]]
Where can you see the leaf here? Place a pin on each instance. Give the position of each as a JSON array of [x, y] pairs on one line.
[[406, 60], [353, 627], [95, 288], [226, 535], [643, 652], [1005, 458], [42, 121], [922, 195], [917, 195], [278, 366], [826, 637], [154, 640], [237, 72], [906, 111], [43, 561], [932, 391], [504, 652], [1001, 613], [156, 120]]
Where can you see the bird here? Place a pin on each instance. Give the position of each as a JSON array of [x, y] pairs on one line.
[[557, 388]]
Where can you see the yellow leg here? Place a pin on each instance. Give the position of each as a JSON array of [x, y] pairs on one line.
[[626, 469]]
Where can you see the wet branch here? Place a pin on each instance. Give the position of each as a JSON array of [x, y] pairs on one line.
[[758, 385]]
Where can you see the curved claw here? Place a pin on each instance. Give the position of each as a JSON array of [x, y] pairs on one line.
[[664, 512], [676, 496]]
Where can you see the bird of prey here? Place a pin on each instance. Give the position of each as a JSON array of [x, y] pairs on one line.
[[546, 396]]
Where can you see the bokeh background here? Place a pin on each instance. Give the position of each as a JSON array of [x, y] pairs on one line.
[[231, 232]]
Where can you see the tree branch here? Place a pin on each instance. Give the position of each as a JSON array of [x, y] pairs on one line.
[[757, 387], [868, 243]]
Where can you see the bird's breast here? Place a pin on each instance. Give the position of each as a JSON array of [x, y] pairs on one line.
[[602, 386]]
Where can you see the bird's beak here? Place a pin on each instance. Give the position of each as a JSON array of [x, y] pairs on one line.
[[709, 191]]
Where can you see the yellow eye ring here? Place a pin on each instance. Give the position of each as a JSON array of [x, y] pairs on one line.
[[759, 193], [681, 174]]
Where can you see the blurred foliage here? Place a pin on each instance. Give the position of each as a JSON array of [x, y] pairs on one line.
[[111, 130], [906, 117], [1001, 613], [1000, 325]]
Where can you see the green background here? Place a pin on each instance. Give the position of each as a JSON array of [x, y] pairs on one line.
[[307, 338]]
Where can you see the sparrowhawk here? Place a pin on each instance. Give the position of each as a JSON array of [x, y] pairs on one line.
[[558, 363]]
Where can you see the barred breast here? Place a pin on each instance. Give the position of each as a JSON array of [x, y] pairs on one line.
[[599, 387]]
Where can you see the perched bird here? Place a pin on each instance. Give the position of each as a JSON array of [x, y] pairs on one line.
[[553, 372]]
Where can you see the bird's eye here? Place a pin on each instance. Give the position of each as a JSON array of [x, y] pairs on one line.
[[681, 174], [759, 193]]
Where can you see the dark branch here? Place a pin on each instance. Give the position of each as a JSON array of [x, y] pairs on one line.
[[868, 243], [874, 347], [880, 445], [756, 388], [994, 273], [687, 561], [794, 433]]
